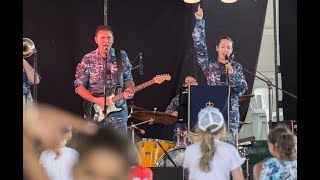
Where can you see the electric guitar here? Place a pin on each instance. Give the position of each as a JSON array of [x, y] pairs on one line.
[[94, 112]]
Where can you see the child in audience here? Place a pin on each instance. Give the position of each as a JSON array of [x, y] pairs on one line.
[[211, 158], [282, 147], [59, 160]]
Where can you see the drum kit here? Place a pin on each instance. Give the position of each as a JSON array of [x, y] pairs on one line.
[[156, 152]]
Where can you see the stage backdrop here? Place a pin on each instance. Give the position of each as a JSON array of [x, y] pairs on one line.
[[63, 31]]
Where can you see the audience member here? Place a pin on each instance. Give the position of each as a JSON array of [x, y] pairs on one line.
[[105, 155], [211, 158], [46, 123], [141, 173], [58, 161], [283, 163]]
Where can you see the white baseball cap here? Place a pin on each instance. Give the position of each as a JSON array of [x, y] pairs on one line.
[[210, 116]]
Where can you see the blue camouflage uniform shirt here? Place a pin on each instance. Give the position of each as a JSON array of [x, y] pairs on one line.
[[90, 74], [216, 74], [26, 88]]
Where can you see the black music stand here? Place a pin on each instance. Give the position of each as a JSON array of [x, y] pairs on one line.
[[201, 96], [183, 105]]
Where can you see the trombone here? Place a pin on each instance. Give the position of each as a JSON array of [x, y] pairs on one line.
[[28, 47]]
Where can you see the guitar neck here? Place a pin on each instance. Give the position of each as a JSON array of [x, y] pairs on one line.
[[137, 88]]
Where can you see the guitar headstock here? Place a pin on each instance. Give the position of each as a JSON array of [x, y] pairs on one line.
[[160, 78]]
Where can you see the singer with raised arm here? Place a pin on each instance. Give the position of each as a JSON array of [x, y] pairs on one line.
[[105, 70], [223, 71]]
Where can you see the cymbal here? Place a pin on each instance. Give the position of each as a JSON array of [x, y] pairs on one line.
[[244, 123], [159, 117], [136, 108], [245, 97]]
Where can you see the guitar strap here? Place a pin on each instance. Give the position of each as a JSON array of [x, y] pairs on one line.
[[119, 66]]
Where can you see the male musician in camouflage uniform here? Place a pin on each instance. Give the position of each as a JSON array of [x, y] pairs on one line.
[[90, 78], [215, 70], [180, 136]]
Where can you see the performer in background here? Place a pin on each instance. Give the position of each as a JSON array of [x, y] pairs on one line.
[[90, 81], [28, 80], [221, 71], [180, 136], [30, 75]]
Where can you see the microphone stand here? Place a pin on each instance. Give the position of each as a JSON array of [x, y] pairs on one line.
[[105, 84], [228, 81], [138, 66], [269, 84], [35, 63]]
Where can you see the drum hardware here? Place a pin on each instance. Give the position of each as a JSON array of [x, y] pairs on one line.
[[245, 97], [248, 141], [169, 157], [159, 117], [244, 123], [243, 153], [136, 108], [134, 126]]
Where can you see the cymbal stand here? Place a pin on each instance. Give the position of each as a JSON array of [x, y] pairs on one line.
[[134, 126], [245, 156]]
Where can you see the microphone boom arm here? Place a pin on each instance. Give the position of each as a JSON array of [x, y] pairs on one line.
[[269, 84]]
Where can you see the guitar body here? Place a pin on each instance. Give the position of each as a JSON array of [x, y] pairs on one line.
[[94, 112]]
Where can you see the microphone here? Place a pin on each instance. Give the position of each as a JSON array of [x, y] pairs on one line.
[[141, 131], [106, 50], [140, 64], [226, 57]]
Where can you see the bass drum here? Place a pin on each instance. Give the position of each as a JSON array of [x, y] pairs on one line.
[[150, 150], [176, 154]]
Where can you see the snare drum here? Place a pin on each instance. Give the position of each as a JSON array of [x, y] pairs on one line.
[[150, 151], [176, 154]]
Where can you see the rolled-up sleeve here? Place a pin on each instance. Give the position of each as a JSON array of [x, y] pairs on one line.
[[82, 73]]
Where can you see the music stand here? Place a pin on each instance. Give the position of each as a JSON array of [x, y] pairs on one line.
[[183, 105], [201, 96]]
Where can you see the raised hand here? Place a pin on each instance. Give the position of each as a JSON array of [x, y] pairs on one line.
[[199, 13], [46, 122]]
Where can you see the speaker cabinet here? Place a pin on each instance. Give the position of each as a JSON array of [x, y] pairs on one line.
[[167, 173]]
